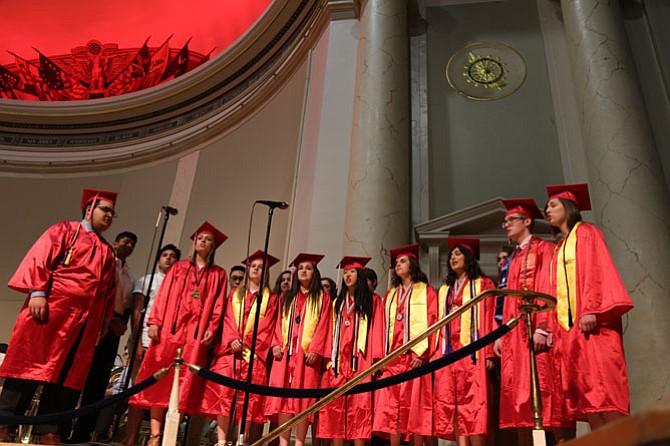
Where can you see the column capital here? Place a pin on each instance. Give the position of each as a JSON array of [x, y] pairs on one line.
[[344, 9]]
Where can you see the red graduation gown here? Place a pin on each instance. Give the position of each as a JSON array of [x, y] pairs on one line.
[[350, 417], [463, 385], [218, 399], [515, 390], [594, 365], [406, 407], [80, 296], [291, 372], [182, 320]]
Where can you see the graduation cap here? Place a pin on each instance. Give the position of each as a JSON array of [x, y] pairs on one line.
[[408, 250], [349, 262], [524, 206], [471, 244], [303, 257], [91, 195], [208, 228], [577, 193], [271, 260]]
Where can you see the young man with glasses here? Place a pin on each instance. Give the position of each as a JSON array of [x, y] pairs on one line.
[[528, 269], [69, 279]]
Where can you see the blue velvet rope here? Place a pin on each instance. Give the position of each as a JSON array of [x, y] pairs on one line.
[[361, 388], [85, 410]]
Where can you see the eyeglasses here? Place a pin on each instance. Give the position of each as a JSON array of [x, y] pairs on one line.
[[510, 220], [108, 210]]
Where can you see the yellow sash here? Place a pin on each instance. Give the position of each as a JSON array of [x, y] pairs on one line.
[[308, 323], [466, 318], [362, 336], [418, 316], [566, 287], [238, 310]]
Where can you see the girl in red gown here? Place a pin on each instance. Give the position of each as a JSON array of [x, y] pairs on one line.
[[460, 402], [299, 343], [591, 298], [356, 342], [233, 354], [409, 308], [186, 314]]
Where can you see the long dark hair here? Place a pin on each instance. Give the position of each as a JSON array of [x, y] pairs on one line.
[[315, 288], [472, 268], [362, 295], [277, 287], [414, 272]]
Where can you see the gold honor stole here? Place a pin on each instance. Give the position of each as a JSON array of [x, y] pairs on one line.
[[566, 279], [309, 322], [466, 334], [238, 312], [360, 339], [418, 317]]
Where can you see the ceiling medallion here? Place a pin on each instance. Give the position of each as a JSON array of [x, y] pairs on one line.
[[486, 71]]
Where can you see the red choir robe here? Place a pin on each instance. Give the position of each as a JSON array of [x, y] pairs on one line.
[[80, 296], [515, 388], [593, 365], [291, 372], [407, 407], [182, 320], [218, 399], [360, 344], [462, 386]]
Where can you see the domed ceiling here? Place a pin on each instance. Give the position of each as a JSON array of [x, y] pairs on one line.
[[83, 49], [91, 85]]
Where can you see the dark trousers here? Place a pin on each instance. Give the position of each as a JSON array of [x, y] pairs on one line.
[[96, 384]]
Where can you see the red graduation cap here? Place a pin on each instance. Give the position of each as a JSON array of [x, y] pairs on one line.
[[303, 257], [259, 255], [471, 244], [349, 262], [409, 250], [90, 194], [578, 193], [208, 228], [523, 206]]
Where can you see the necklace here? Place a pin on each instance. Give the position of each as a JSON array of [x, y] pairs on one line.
[[195, 294]]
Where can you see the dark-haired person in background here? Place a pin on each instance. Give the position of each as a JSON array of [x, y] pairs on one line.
[[107, 349]]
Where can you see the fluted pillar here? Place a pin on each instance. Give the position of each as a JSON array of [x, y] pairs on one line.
[[377, 216], [628, 189]]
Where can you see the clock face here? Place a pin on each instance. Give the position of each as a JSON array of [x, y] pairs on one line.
[[486, 71]]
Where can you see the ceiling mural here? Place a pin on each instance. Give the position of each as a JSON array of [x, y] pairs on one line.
[[77, 50]]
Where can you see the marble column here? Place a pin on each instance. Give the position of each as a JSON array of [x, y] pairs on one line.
[[377, 215], [628, 189]]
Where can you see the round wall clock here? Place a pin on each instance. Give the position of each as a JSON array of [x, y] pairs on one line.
[[486, 71]]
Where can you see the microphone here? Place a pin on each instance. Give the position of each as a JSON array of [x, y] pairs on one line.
[[274, 204], [170, 210]]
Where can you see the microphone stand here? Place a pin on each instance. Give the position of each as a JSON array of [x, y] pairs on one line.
[[137, 331], [259, 300]]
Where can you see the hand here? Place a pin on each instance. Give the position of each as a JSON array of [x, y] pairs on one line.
[[38, 308], [277, 352], [139, 353], [117, 326], [489, 364], [154, 333], [417, 362], [311, 358], [497, 348], [236, 346], [550, 340], [207, 338], [588, 323], [540, 342]]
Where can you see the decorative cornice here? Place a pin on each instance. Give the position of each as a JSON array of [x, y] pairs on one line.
[[344, 9], [170, 119]]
